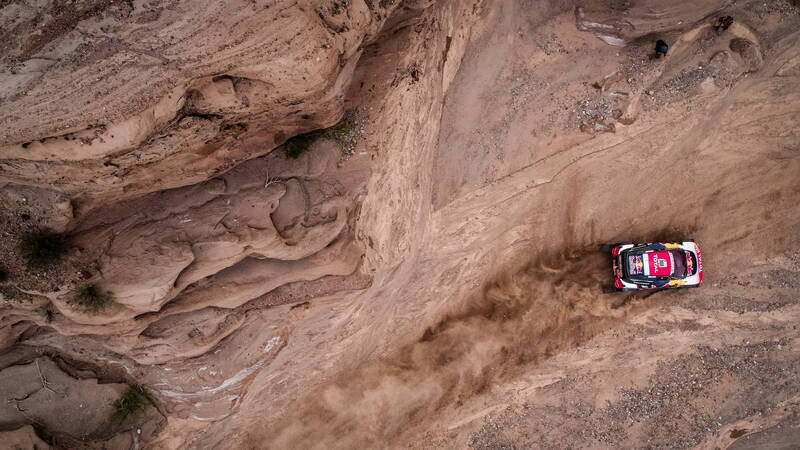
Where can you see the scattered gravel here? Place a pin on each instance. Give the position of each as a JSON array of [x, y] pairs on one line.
[[677, 409], [783, 9], [348, 145]]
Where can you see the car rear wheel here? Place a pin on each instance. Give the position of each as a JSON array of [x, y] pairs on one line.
[[609, 289]]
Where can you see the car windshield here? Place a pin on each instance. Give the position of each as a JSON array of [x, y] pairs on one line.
[[678, 263]]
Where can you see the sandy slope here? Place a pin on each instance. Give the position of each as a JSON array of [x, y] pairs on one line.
[[496, 170], [696, 162]]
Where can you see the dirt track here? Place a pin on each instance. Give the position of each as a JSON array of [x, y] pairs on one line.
[[506, 141], [696, 158]]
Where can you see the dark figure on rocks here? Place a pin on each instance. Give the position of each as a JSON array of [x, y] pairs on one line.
[[723, 23], [661, 48]]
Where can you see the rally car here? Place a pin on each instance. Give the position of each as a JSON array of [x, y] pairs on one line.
[[655, 265]]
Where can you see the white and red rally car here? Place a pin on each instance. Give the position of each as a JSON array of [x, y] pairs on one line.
[[655, 265]]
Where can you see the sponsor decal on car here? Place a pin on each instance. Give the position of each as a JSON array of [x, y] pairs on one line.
[[636, 264], [699, 264], [659, 264]]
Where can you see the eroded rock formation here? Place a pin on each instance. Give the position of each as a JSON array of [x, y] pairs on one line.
[[114, 99], [132, 128]]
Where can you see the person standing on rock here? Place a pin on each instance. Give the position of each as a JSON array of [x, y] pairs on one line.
[[661, 48], [722, 24]]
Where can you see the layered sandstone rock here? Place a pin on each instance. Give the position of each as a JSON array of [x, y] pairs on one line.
[[108, 100]]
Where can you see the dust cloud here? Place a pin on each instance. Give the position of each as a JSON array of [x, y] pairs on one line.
[[523, 314]]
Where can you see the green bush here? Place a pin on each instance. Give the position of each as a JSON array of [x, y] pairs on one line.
[[130, 403], [91, 298], [41, 249], [342, 131], [299, 144]]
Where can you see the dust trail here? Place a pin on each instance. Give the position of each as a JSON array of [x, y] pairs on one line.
[[521, 316]]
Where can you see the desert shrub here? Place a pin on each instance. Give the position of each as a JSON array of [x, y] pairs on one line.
[[130, 403], [41, 249], [596, 85], [3, 274], [49, 315], [342, 131], [91, 298], [299, 144]]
